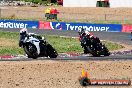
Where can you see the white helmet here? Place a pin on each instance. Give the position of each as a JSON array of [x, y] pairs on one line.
[[23, 31], [79, 29]]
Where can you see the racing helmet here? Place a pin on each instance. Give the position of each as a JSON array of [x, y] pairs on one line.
[[81, 31], [23, 31]]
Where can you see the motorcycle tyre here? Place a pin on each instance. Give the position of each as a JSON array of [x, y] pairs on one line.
[[52, 53], [31, 55], [95, 54], [107, 53]]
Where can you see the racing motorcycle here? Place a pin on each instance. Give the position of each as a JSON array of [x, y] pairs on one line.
[[93, 46], [36, 46]]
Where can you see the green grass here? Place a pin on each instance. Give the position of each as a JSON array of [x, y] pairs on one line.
[[9, 44], [112, 46]]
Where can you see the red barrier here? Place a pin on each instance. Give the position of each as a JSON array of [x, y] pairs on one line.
[[126, 28], [44, 25]]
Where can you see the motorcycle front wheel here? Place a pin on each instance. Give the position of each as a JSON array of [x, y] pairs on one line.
[[31, 51], [94, 52]]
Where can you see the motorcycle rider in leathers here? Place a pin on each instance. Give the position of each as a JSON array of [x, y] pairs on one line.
[[84, 33], [24, 33]]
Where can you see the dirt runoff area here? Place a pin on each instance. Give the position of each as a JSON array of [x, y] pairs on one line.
[[60, 74]]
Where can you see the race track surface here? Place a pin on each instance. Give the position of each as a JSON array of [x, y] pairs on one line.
[[73, 58], [112, 36]]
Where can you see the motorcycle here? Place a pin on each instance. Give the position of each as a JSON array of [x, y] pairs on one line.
[[93, 46], [36, 46]]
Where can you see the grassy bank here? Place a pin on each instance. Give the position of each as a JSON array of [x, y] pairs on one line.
[[9, 44]]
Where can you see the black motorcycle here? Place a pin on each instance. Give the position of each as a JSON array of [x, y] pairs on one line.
[[93, 46], [36, 46]]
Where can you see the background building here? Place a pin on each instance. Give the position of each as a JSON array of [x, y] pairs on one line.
[[120, 3], [97, 3]]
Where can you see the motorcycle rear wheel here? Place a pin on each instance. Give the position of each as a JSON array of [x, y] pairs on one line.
[[106, 51], [52, 53]]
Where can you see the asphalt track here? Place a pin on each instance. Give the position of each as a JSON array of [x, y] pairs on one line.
[[112, 36], [74, 58]]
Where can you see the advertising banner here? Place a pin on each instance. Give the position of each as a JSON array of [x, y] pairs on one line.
[[18, 24], [51, 25], [44, 25], [86, 26], [126, 28]]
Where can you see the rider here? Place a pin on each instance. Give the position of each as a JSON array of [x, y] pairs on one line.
[[82, 32], [24, 34], [83, 35], [87, 35]]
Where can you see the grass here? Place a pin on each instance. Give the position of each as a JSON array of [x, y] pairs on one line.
[[9, 44]]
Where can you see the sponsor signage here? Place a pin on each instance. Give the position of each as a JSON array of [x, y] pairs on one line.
[[86, 26], [18, 24], [44, 25], [85, 80], [126, 28], [109, 82], [51, 25]]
